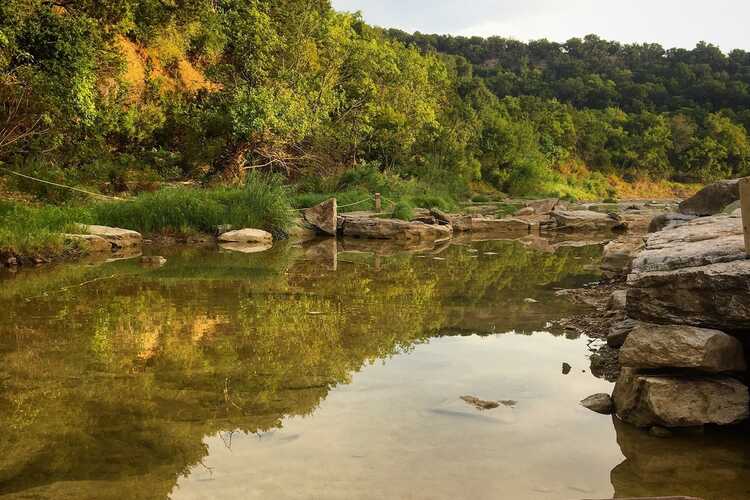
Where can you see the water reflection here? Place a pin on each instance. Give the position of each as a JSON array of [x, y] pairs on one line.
[[119, 377]]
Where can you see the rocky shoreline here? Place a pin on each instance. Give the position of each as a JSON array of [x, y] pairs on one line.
[[678, 326]]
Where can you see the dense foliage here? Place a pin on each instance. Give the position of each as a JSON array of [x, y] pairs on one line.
[[634, 109], [114, 94]]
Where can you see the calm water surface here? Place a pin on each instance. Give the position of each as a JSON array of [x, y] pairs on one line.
[[324, 371]]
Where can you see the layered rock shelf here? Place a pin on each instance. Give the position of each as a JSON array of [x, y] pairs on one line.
[[688, 317]]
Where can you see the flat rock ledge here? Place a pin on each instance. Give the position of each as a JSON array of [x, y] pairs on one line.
[[700, 242], [584, 220], [392, 229], [679, 401], [714, 296]]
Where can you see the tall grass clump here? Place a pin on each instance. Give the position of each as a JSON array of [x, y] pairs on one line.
[[263, 203], [32, 230]]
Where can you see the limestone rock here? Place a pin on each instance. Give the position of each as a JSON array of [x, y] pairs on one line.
[[501, 226], [525, 211], [599, 403], [712, 199], [440, 216], [715, 296], [586, 220], [118, 238], [668, 221], [618, 256], [618, 300], [700, 242], [669, 401], [323, 217], [679, 346], [246, 236], [461, 223], [386, 229], [544, 207], [90, 242], [619, 332]]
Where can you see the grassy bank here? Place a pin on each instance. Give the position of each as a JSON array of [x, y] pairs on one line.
[[37, 229]]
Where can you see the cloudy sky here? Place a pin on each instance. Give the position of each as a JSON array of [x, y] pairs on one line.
[[673, 23]]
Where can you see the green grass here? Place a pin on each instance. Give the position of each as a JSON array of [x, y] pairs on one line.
[[32, 230], [262, 203], [403, 210]]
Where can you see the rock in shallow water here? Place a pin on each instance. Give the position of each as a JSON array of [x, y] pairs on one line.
[[599, 403], [586, 220], [118, 238], [391, 229], [671, 401], [247, 236], [678, 346]]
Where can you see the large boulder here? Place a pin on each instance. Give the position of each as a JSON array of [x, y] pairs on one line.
[[671, 401], [544, 207], [323, 217], [712, 199], [713, 296], [679, 346], [246, 236], [697, 243], [618, 256], [118, 238], [585, 220], [391, 229]]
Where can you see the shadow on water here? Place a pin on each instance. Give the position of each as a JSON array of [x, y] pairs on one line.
[[112, 375]]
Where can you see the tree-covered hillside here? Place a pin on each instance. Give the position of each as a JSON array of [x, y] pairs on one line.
[[634, 108], [108, 94]]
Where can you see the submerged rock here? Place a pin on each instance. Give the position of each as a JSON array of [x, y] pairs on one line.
[[118, 238], [712, 199], [246, 236], [481, 404], [679, 346], [671, 401], [599, 403], [323, 217]]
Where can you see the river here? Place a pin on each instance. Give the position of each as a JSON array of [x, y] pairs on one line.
[[324, 372]]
